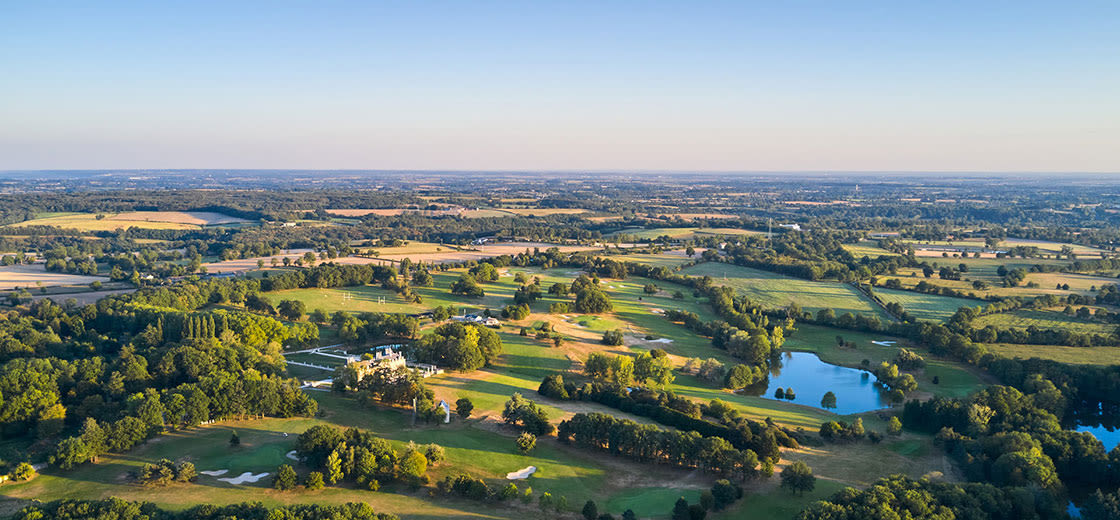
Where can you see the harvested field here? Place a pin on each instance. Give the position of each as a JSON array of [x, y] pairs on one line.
[[198, 218], [392, 212], [34, 275], [141, 219]]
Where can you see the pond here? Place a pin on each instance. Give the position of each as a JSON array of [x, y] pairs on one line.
[[810, 378]]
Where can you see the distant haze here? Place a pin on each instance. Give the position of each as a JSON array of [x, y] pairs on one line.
[[575, 86]]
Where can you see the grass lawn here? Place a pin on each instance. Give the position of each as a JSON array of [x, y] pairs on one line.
[[776, 291], [930, 307]]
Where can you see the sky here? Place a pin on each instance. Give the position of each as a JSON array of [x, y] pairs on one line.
[[1014, 86]]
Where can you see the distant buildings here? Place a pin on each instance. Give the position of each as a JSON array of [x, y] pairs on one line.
[[480, 320]]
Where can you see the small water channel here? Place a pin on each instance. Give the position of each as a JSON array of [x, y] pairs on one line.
[[810, 378]]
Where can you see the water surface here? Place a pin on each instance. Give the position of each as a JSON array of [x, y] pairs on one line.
[[810, 378]]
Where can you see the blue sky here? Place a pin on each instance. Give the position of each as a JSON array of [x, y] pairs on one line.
[[741, 86]]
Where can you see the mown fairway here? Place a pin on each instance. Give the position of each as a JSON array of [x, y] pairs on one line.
[[777, 291]]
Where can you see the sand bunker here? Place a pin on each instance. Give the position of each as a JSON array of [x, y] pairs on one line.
[[661, 340], [521, 474], [884, 343], [248, 476], [657, 311], [291, 455], [215, 472]]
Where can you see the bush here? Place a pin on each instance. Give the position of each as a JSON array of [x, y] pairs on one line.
[[612, 337], [526, 442], [23, 471], [315, 481]]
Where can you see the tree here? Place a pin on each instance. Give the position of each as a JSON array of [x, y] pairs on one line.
[[612, 337], [463, 407], [798, 478], [291, 310], [24, 471], [285, 478], [591, 300], [656, 371], [334, 468], [829, 400], [466, 285], [527, 416], [894, 426], [314, 481], [590, 510], [526, 442], [414, 464], [680, 510]]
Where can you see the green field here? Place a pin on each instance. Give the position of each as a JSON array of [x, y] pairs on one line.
[[926, 306], [662, 260], [1043, 319], [777, 291], [1076, 355]]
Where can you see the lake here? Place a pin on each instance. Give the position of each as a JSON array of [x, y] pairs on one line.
[[810, 378]]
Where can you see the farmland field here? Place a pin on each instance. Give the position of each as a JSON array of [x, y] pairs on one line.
[[681, 232], [140, 219], [926, 306], [34, 275], [1043, 319], [777, 291], [1103, 356]]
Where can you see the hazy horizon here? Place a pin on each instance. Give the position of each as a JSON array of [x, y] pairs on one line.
[[652, 87]]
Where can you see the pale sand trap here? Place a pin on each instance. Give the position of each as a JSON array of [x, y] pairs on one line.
[[521, 474], [248, 476], [661, 340], [291, 455], [215, 472], [657, 311], [884, 343]]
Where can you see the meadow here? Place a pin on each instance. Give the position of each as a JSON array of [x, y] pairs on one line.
[[777, 291], [1102, 356], [926, 306], [1043, 319]]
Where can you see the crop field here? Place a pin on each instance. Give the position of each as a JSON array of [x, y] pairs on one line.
[[1102, 356], [777, 291], [926, 306], [32, 276], [1043, 319], [670, 259], [141, 219], [681, 232], [867, 248]]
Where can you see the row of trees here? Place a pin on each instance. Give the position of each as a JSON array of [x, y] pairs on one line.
[[648, 443]]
